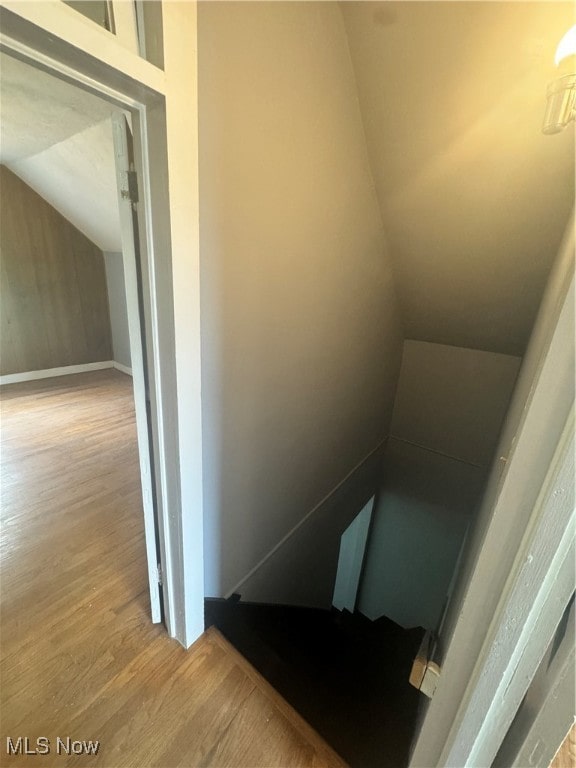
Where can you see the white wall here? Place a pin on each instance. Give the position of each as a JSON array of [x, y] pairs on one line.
[[448, 412], [423, 509], [453, 400], [78, 177], [300, 332], [40, 111], [117, 305], [302, 569], [542, 451], [474, 197], [532, 434], [351, 559]]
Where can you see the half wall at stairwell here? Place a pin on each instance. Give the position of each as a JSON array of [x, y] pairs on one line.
[[300, 328]]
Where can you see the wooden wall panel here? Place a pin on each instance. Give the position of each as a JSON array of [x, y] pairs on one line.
[[53, 286]]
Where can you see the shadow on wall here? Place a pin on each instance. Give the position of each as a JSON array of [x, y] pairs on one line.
[[301, 338], [423, 511], [449, 409], [301, 570]]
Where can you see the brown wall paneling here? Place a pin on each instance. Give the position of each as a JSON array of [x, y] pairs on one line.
[[53, 286]]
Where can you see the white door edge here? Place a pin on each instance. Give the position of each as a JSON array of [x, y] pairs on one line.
[[530, 610], [135, 329]]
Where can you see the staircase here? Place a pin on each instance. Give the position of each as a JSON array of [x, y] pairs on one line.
[[347, 676]]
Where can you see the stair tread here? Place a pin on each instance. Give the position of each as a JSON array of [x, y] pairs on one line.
[[347, 676]]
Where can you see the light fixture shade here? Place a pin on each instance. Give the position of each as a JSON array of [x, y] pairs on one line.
[[560, 104], [566, 46]]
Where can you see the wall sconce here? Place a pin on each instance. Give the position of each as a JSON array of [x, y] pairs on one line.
[[561, 93]]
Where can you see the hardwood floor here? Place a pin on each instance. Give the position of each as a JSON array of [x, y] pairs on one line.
[[80, 657], [566, 755]]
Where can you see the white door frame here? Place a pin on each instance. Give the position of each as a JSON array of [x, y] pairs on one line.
[[54, 37], [521, 569], [141, 373], [547, 714]]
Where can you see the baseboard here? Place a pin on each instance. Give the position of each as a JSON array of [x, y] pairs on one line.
[[123, 368], [48, 373], [304, 520]]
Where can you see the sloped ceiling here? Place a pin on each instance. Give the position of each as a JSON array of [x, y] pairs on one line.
[[58, 139], [474, 198]]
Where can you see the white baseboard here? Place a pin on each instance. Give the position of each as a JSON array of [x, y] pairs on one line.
[[48, 373], [123, 368]]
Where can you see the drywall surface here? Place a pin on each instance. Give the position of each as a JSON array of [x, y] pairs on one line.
[[117, 306], [541, 404], [302, 570], [54, 301], [453, 400], [351, 559], [40, 110], [300, 331], [424, 507], [536, 462], [473, 195], [449, 408], [78, 177]]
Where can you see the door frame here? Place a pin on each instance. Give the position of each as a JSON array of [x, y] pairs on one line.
[[54, 37], [138, 329]]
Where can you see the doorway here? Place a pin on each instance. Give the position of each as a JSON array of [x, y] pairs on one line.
[[58, 40], [72, 285]]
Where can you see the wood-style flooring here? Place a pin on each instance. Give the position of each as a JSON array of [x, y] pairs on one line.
[[566, 755], [80, 657]]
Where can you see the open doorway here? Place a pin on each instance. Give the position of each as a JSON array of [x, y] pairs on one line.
[[129, 70], [72, 295]]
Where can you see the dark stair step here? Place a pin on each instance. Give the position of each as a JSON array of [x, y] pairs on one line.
[[346, 675]]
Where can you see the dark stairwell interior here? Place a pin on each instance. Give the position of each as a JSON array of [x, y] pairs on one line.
[[347, 676]]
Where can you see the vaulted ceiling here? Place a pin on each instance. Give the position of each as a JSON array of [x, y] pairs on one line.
[[474, 198], [58, 139]]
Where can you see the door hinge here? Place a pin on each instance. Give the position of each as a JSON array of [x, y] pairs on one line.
[[129, 189], [425, 673], [159, 573]]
